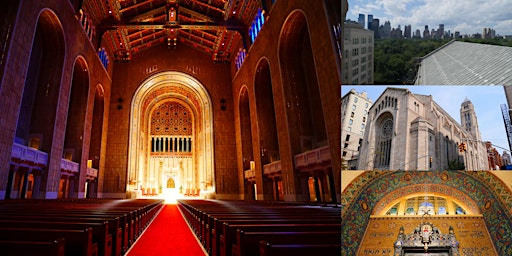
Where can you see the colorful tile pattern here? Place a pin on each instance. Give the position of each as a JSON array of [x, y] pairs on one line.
[[492, 197]]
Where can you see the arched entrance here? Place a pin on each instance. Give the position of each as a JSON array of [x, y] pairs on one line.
[[171, 135]]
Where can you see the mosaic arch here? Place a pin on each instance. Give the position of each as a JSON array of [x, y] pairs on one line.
[[175, 87], [432, 190], [363, 195]]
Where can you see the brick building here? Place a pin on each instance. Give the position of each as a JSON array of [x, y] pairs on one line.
[[230, 99], [494, 158]]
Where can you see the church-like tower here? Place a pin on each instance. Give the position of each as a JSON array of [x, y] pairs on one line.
[[469, 123], [468, 119]]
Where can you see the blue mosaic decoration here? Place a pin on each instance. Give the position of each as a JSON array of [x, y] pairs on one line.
[[493, 198]]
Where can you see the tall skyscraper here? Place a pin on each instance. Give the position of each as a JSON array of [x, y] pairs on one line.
[[360, 20], [426, 33], [407, 31], [489, 33], [370, 20], [417, 34], [440, 31], [375, 28], [385, 32]]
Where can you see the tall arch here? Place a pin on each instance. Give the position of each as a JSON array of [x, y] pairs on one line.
[[267, 130], [70, 179], [244, 112], [304, 109], [302, 95], [35, 126], [188, 92], [372, 189], [94, 159]]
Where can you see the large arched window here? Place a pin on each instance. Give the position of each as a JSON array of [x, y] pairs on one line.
[[426, 204], [383, 139]]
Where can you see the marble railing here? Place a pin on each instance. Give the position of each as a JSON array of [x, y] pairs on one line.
[[91, 172], [28, 155], [272, 168], [249, 174], [315, 157], [68, 166]]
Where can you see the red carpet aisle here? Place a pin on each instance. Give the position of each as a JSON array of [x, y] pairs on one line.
[[168, 234]]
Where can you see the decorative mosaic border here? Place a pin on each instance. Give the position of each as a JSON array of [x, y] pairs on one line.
[[492, 197], [431, 189]]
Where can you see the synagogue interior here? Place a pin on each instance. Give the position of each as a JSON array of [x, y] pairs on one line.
[[120, 110]]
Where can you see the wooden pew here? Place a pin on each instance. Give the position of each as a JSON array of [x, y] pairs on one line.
[[230, 231], [207, 216], [100, 233], [31, 248], [202, 219], [118, 228], [218, 226], [248, 243], [268, 249], [128, 217], [78, 242], [214, 221]]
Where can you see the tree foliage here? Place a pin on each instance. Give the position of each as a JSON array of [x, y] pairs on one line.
[[396, 61], [456, 165]]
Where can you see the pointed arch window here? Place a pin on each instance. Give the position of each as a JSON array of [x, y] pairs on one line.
[[383, 144]]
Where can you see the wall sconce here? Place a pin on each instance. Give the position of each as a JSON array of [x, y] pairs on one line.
[[222, 104], [119, 101]]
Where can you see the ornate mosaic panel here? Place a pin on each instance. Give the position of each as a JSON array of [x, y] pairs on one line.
[[171, 118], [470, 231], [173, 92], [430, 189], [492, 197]]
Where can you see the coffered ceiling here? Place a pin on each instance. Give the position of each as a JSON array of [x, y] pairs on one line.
[[214, 27]]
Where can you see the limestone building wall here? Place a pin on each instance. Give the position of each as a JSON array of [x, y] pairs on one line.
[[423, 136]]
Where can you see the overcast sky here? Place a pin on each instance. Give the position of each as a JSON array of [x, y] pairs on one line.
[[465, 16], [485, 99]]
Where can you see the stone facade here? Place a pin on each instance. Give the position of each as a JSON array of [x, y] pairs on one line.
[[408, 131]]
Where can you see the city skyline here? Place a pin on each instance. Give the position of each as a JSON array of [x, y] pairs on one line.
[[486, 100], [461, 16]]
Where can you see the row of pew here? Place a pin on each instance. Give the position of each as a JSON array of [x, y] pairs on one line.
[[73, 227], [256, 228]]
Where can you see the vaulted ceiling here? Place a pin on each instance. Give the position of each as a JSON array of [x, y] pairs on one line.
[[214, 27]]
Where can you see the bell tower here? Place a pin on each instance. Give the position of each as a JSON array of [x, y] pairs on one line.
[[468, 119]]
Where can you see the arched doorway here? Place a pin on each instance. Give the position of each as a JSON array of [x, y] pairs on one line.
[[171, 135]]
